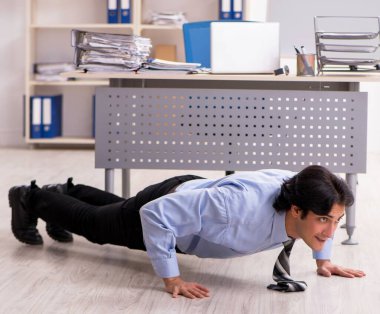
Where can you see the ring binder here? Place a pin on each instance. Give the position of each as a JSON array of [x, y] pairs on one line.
[[112, 11], [51, 116], [35, 117], [225, 9], [237, 10], [125, 11]]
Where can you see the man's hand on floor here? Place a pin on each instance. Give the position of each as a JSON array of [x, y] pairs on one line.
[[192, 290]]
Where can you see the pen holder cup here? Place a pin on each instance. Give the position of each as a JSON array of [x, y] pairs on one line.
[[306, 64]]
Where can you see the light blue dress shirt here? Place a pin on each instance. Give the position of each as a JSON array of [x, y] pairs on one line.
[[229, 217]]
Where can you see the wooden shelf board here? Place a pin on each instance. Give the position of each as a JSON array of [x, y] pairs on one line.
[[62, 140], [81, 26], [160, 27], [71, 83]]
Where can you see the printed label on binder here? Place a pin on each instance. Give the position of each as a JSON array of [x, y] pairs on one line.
[[36, 117]]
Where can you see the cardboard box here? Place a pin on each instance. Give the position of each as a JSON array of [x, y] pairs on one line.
[[165, 52]]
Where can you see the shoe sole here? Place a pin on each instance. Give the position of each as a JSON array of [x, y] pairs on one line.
[[60, 239], [12, 202]]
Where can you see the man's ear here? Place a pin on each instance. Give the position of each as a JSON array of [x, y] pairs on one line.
[[295, 211]]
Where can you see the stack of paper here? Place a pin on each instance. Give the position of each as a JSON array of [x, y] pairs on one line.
[[51, 71], [168, 18], [159, 64], [109, 52]]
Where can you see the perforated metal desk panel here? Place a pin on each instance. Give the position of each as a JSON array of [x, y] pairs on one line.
[[230, 129], [231, 123]]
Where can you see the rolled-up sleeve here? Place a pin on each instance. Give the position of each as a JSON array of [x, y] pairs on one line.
[[326, 252]]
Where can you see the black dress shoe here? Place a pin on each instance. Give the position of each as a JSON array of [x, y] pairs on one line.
[[56, 232], [23, 222], [59, 188]]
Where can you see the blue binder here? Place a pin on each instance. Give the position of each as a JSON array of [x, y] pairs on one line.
[[125, 11], [112, 11], [51, 116], [35, 117], [237, 10], [197, 38], [225, 9]]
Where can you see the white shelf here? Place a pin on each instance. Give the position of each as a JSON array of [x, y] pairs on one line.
[[82, 26], [71, 83], [45, 42], [62, 141], [48, 24], [161, 27]]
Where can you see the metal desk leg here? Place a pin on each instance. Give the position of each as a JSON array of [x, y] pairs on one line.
[[109, 180], [126, 183], [351, 179]]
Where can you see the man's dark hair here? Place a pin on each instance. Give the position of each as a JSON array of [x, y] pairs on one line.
[[314, 188]]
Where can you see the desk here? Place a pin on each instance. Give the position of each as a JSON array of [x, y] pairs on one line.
[[231, 122]]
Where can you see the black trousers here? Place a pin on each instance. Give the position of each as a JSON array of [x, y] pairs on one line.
[[99, 216]]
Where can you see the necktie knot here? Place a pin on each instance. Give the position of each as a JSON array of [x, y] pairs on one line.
[[281, 272], [288, 245]]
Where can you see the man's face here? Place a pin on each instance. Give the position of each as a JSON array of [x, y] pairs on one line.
[[315, 229]]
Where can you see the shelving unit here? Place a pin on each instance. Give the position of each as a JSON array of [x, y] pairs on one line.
[[48, 28]]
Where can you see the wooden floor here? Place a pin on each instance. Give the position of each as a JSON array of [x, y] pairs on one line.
[[86, 278]]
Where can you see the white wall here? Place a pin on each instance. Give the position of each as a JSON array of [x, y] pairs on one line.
[[373, 141], [12, 36], [12, 45], [296, 18]]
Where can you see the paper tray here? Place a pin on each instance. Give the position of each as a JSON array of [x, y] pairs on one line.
[[348, 61], [341, 35], [347, 48]]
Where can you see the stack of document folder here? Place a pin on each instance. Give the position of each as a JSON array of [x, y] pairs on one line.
[[109, 52], [51, 71], [168, 18], [159, 64]]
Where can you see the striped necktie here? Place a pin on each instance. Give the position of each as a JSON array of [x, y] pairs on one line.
[[281, 272]]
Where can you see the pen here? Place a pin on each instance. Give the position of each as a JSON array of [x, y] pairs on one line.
[[308, 68]]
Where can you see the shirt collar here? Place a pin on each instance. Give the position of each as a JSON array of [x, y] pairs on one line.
[[279, 235]]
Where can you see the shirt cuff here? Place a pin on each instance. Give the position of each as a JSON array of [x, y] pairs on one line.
[[166, 268], [325, 253]]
